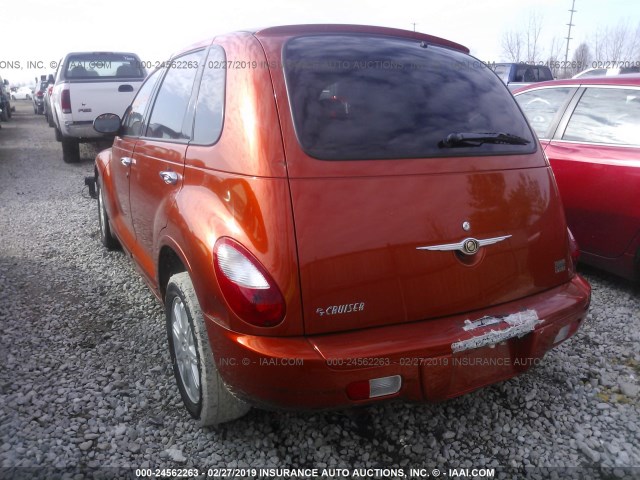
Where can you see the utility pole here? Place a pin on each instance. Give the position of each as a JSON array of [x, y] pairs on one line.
[[414, 26], [570, 24]]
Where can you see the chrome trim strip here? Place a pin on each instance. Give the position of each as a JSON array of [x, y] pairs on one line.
[[461, 246]]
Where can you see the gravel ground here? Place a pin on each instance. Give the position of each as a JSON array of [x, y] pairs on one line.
[[86, 382]]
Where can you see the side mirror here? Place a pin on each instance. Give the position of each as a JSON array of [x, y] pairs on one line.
[[108, 123]]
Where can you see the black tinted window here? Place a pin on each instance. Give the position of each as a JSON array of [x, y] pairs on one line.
[[541, 107], [133, 121], [606, 115], [503, 72], [366, 97], [210, 106], [531, 73], [171, 103]]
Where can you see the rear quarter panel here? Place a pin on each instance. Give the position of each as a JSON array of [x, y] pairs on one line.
[[238, 188], [600, 189]]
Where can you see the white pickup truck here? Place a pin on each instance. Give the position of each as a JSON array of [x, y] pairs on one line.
[[87, 85]]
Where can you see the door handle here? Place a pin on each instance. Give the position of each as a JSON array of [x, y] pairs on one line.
[[169, 177], [126, 161]]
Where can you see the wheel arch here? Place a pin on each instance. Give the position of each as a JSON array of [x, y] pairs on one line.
[[170, 262]]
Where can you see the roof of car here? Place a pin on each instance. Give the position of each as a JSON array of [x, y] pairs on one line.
[[296, 30], [628, 79], [293, 30]]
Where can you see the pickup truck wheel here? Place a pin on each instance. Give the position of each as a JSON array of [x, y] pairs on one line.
[[70, 150], [50, 122], [203, 392], [3, 115], [106, 237]]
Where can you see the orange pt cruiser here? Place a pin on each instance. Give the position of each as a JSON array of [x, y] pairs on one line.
[[338, 215]]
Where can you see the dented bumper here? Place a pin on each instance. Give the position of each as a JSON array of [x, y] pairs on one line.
[[436, 359]]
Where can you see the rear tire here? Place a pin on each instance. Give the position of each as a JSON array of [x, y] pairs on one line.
[[106, 236], [70, 150], [203, 391], [3, 115]]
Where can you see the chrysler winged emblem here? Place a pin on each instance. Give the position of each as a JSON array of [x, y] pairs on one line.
[[468, 246]]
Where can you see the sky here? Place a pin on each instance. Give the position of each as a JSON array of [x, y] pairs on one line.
[[44, 31]]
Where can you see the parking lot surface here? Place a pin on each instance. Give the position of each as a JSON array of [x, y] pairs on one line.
[[86, 381]]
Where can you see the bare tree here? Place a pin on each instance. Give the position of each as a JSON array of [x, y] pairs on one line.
[[532, 35], [617, 44], [523, 44], [553, 59], [512, 45], [582, 57]]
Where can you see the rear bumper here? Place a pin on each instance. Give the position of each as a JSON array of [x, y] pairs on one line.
[[81, 130], [437, 359]]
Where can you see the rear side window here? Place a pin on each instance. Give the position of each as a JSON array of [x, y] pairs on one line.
[[170, 108], [210, 106], [541, 107], [606, 115], [103, 65], [132, 123], [375, 97]]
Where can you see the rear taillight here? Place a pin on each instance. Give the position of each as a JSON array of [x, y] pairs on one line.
[[246, 285], [39, 93], [574, 249], [65, 101], [50, 90]]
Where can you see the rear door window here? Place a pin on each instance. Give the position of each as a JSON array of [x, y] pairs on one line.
[[376, 97], [170, 108], [606, 115]]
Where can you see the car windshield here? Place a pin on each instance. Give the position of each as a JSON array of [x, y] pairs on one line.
[[111, 65], [377, 97]]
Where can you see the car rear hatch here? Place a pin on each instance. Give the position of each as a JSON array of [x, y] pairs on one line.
[[396, 220]]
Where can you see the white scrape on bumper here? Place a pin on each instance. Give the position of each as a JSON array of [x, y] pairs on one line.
[[519, 325]]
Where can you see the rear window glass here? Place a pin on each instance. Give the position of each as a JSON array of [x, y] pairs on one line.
[[503, 72], [105, 65], [531, 73], [375, 97]]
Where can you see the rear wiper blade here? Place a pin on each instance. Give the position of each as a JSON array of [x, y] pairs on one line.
[[459, 139]]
